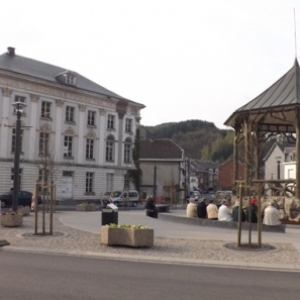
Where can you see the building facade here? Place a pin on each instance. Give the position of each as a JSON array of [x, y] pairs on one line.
[[74, 131], [162, 165], [225, 174]]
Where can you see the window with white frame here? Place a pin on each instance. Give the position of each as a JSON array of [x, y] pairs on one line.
[[44, 143], [110, 121], [20, 99], [70, 111], [89, 182], [68, 144], [12, 177], [13, 140], [70, 79], [110, 148], [128, 125], [45, 109], [127, 151], [291, 174], [91, 119], [89, 154]]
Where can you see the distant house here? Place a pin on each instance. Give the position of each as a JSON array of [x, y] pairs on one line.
[[274, 161], [225, 174], [161, 162], [289, 165], [280, 160], [206, 172]]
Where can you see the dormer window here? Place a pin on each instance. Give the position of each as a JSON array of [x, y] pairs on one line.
[[70, 79], [67, 77]]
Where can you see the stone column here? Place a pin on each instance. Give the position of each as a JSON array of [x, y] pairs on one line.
[[297, 127], [246, 152], [34, 115], [5, 141], [102, 137], [81, 142], [120, 138], [235, 159], [58, 130]]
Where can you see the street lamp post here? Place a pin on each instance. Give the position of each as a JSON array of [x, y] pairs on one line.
[[19, 110]]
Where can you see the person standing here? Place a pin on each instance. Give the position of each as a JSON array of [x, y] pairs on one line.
[[201, 209], [271, 215], [224, 212], [212, 210], [150, 207], [191, 209], [252, 211]]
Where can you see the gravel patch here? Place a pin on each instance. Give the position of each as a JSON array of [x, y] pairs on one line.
[[70, 239]]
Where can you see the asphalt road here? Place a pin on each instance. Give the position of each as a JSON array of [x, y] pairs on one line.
[[28, 276]]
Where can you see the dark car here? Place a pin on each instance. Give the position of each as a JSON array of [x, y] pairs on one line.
[[24, 199]]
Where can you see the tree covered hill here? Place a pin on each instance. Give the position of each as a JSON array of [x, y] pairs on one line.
[[202, 139], [199, 139]]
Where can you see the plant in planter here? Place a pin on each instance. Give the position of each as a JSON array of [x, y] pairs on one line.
[[127, 235], [86, 206], [11, 219]]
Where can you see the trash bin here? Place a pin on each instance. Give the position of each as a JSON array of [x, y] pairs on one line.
[[109, 215]]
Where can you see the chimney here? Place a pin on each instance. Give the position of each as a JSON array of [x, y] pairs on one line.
[[11, 51]]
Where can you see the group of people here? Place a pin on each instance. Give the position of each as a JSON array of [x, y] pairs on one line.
[[224, 213]]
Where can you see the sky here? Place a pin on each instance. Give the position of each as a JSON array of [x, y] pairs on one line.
[[182, 59]]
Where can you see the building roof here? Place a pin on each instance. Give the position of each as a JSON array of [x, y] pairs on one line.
[[282, 146], [197, 165], [26, 66], [268, 106], [160, 149], [289, 150]]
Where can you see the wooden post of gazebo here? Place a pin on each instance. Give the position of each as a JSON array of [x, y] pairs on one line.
[[297, 127]]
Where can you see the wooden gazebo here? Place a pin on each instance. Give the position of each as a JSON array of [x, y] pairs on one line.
[[275, 111]]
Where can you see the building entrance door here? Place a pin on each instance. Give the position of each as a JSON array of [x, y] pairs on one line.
[[67, 185]]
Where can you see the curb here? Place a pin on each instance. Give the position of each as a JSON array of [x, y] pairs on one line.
[[158, 259]]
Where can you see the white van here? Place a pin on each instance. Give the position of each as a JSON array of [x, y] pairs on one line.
[[120, 198]]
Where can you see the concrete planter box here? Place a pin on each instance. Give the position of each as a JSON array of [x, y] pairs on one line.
[[86, 207], [12, 220], [127, 237], [24, 211]]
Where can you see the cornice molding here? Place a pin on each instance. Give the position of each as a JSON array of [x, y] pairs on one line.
[[53, 91]]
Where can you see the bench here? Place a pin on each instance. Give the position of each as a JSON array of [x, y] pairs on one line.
[[219, 224], [163, 208]]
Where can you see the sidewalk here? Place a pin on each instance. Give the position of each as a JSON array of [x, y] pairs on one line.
[[77, 233]]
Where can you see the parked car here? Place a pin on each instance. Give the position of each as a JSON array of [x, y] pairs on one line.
[[119, 198], [195, 195], [24, 199]]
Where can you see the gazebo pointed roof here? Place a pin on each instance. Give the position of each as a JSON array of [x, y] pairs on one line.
[[283, 95]]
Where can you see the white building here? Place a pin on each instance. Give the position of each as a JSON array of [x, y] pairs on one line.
[[289, 165], [87, 130], [274, 161]]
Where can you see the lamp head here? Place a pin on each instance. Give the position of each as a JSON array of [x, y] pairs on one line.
[[19, 106]]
